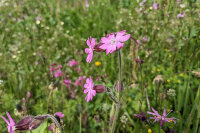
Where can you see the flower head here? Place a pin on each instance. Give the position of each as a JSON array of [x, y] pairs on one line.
[[11, 124], [55, 70], [58, 73], [181, 15], [73, 63], [89, 51], [113, 42], [155, 6], [144, 39], [89, 89], [162, 119], [67, 82], [59, 114]]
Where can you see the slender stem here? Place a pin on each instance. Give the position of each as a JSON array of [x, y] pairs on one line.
[[56, 122], [80, 122], [119, 89], [159, 129], [120, 73], [115, 118]]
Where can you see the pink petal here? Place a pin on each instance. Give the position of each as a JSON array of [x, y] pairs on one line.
[[164, 112], [123, 38], [119, 45], [89, 57], [87, 50], [121, 33], [5, 120], [92, 42], [12, 123], [88, 42], [105, 40], [86, 90]]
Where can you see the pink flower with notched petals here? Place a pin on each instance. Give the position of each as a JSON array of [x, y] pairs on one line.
[[89, 51], [55, 70], [162, 119], [58, 73], [113, 42], [11, 124], [89, 89], [67, 82], [73, 63]]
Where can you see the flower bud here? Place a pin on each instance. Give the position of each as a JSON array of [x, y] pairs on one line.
[[116, 86], [28, 95], [138, 60], [97, 48], [99, 88]]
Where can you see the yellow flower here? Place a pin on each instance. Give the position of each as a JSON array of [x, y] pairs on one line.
[[170, 55], [97, 63], [158, 70], [170, 120], [181, 75], [178, 81], [149, 130], [168, 80]]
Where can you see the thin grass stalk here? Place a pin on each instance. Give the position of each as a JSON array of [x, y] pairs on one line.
[[119, 89]]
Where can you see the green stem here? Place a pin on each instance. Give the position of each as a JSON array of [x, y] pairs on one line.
[[119, 89], [80, 123]]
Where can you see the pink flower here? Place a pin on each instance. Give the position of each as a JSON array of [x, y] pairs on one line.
[[89, 51], [58, 73], [28, 94], [59, 114], [144, 39], [73, 63], [11, 124], [155, 6], [80, 81], [55, 70], [113, 42], [89, 89], [162, 119], [50, 128], [138, 42], [67, 82], [181, 15]]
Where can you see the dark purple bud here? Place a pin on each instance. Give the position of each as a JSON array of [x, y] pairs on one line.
[[30, 122], [142, 117], [99, 88], [24, 123], [169, 131], [97, 48], [96, 117], [116, 86], [139, 61]]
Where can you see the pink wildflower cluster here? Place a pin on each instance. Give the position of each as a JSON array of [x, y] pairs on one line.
[[55, 70], [111, 43]]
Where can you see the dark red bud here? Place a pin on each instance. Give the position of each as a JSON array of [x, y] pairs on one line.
[[30, 122], [97, 48], [99, 88]]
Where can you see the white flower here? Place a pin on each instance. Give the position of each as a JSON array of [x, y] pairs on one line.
[[182, 5]]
